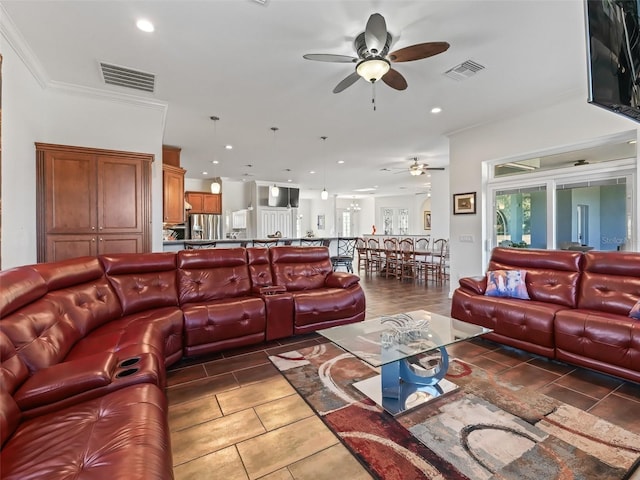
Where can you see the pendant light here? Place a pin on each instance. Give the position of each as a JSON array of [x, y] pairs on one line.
[[324, 195], [275, 191], [215, 185]]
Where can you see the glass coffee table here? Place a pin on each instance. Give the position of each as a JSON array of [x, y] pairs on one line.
[[410, 350]]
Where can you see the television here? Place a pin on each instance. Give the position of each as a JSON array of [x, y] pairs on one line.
[[287, 196], [613, 45]]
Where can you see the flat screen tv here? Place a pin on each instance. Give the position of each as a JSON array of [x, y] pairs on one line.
[[613, 42]]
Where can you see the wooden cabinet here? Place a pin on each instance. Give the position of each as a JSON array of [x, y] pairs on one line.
[[203, 202], [274, 220], [172, 194], [91, 201]]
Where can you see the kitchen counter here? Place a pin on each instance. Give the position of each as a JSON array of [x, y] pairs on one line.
[[175, 245]]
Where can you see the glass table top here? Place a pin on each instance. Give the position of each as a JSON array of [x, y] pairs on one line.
[[395, 337]]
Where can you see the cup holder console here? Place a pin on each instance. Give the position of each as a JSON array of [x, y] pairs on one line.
[[126, 373], [128, 362]]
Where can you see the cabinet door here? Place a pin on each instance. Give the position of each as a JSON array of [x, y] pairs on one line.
[[120, 243], [119, 195], [62, 247], [212, 203], [69, 192], [196, 200], [173, 194]]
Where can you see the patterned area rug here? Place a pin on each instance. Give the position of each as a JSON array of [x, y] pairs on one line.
[[484, 430]]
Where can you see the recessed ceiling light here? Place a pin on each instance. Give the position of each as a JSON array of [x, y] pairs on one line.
[[145, 25], [312, 171], [205, 173], [229, 147], [215, 162], [368, 189], [289, 180], [632, 142], [436, 110], [340, 161]]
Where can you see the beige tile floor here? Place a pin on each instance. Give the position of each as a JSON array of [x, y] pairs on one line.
[[233, 416]]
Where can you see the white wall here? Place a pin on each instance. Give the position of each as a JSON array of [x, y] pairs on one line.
[[60, 115], [22, 124], [566, 123]]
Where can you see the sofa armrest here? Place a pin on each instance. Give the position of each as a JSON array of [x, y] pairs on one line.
[[270, 290], [341, 280], [477, 285], [65, 380]]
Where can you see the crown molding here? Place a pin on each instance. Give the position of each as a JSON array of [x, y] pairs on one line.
[[12, 35]]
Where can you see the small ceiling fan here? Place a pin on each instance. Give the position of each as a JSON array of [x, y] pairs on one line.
[[420, 168], [374, 60]]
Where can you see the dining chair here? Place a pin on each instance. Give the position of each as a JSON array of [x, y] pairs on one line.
[[198, 245], [346, 250], [265, 243], [363, 256], [312, 242], [407, 259], [433, 268], [374, 253], [391, 258], [423, 254]]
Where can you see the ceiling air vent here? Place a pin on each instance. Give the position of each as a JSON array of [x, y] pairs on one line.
[[464, 70], [127, 77]]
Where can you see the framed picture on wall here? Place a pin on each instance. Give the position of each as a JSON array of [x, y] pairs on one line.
[[427, 220], [464, 203]]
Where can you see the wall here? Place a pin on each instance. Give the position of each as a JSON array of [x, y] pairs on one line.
[[565, 123], [37, 111], [22, 124]]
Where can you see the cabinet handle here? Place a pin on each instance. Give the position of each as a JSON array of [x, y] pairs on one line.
[[93, 239], [93, 228], [100, 228], [100, 239]]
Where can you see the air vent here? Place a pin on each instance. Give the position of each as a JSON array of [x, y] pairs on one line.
[[127, 77], [464, 70]]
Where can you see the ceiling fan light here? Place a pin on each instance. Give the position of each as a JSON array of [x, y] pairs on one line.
[[415, 172], [275, 191], [215, 187], [324, 194], [373, 70]]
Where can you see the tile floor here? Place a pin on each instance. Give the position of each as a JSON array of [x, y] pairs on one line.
[[233, 416]]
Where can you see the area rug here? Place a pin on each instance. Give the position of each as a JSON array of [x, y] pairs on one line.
[[485, 430]]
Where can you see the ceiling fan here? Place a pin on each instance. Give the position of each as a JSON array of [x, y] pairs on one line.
[[374, 60], [415, 168]]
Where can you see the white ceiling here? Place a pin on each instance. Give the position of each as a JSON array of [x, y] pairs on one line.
[[242, 61]]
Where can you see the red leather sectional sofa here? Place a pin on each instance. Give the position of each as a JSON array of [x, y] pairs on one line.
[[84, 345], [578, 311]]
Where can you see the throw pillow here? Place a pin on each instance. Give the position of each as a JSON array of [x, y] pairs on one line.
[[635, 311], [507, 283]]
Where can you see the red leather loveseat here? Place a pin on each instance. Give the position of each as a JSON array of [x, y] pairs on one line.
[[84, 346], [578, 310]]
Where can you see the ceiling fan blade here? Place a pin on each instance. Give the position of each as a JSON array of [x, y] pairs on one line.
[[347, 82], [375, 34], [329, 57], [433, 168], [418, 51], [394, 79]]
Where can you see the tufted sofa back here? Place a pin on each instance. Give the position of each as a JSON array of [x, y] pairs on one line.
[[142, 281], [552, 275], [259, 267], [211, 274], [13, 372], [610, 282], [76, 299], [300, 268]]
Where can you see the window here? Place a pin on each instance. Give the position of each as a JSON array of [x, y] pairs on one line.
[[346, 224], [521, 217]]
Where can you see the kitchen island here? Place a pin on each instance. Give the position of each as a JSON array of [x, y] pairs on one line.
[[176, 245]]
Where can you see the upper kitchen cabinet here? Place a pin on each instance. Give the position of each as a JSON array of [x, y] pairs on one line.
[[91, 201], [203, 202], [172, 186]]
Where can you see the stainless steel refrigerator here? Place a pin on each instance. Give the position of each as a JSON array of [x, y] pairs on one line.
[[205, 226]]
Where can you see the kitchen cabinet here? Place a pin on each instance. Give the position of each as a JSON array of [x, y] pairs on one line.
[[91, 201], [239, 219], [203, 202], [172, 194], [274, 220]]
